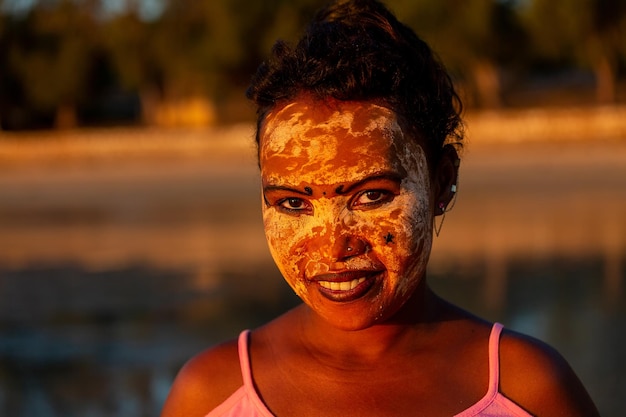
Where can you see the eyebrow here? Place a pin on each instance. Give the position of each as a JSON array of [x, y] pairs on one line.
[[391, 176], [306, 192]]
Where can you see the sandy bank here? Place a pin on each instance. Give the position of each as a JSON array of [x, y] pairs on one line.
[[146, 144]]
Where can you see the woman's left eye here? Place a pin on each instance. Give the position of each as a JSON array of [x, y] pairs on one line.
[[372, 197]]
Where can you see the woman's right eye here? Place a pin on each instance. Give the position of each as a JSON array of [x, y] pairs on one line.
[[294, 205]]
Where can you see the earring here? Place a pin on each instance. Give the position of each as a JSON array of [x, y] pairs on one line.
[[442, 208], [453, 190]]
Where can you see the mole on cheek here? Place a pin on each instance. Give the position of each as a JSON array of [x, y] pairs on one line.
[[389, 238]]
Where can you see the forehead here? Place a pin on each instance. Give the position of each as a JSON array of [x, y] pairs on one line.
[[333, 139], [361, 117]]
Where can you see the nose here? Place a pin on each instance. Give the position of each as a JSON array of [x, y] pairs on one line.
[[336, 239], [348, 246], [344, 243]]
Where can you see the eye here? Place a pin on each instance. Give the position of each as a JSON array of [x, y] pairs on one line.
[[372, 198], [293, 205]]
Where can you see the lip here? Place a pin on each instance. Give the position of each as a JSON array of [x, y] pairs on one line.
[[347, 285]]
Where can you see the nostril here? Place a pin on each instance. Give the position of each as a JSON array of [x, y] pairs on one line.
[[351, 247]]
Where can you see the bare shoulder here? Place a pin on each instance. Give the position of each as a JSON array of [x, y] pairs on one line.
[[537, 377], [204, 382]]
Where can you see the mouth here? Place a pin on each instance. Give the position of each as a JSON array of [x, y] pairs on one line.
[[341, 286], [346, 286]]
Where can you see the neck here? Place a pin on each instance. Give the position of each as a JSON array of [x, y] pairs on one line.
[[407, 330]]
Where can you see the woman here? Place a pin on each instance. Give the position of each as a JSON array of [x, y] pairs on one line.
[[358, 131]]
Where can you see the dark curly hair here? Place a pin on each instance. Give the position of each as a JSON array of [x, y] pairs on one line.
[[358, 50]]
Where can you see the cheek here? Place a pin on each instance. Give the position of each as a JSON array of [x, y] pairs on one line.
[[305, 243], [281, 239], [413, 247], [282, 244], [400, 234], [290, 242], [415, 217]]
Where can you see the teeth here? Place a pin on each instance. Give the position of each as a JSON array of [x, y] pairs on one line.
[[341, 286]]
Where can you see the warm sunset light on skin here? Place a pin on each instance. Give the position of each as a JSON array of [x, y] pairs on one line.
[[347, 207]]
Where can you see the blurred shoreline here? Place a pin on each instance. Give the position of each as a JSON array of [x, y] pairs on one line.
[[118, 144], [558, 124]]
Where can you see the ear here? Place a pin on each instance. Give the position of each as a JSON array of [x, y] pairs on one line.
[[446, 178]]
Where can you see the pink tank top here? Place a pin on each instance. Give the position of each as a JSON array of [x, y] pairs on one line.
[[245, 402]]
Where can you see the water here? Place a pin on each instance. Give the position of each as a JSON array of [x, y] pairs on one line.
[[111, 276]]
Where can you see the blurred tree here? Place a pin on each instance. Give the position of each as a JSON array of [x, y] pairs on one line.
[[60, 55], [593, 32], [48, 54], [193, 42], [267, 21], [477, 39], [187, 53], [128, 42]]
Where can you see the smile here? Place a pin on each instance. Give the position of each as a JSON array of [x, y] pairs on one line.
[[341, 286], [346, 286]]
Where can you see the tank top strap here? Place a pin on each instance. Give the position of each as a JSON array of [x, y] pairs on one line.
[[494, 358], [244, 358]]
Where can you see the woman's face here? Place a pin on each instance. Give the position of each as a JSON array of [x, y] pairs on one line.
[[347, 207]]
